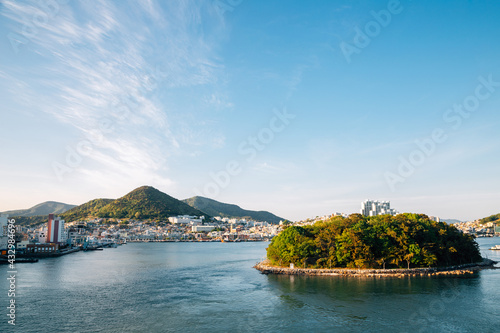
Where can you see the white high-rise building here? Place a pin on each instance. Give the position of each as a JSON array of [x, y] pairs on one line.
[[3, 232], [373, 208], [55, 230]]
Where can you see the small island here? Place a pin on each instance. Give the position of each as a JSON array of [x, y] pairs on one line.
[[404, 244]]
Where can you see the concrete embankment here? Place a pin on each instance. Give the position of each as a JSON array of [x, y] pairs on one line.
[[266, 268]]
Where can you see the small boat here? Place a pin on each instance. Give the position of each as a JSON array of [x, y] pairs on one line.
[[496, 247]]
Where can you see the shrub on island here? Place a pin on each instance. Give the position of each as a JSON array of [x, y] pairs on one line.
[[382, 241]]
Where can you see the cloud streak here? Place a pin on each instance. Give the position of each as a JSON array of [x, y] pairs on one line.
[[99, 62]]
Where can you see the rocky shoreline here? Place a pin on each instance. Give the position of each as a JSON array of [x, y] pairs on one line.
[[461, 270]]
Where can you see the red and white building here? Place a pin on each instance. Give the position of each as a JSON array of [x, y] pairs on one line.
[[55, 230]]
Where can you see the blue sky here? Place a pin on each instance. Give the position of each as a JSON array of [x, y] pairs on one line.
[[300, 108]]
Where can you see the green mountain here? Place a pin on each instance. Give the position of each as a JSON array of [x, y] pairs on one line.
[[216, 208], [147, 202], [45, 208], [88, 209], [492, 218], [144, 202]]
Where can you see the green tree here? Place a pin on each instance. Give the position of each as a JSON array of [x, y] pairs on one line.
[[358, 241]]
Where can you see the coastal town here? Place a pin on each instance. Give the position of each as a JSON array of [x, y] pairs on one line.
[[479, 228], [58, 236]]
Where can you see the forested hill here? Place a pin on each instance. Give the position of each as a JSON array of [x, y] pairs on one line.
[[88, 209], [404, 240], [145, 202], [492, 218]]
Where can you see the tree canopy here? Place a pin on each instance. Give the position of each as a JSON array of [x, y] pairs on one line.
[[404, 240]]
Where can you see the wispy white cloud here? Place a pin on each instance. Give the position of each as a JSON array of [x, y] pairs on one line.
[[266, 168], [106, 60], [218, 101]]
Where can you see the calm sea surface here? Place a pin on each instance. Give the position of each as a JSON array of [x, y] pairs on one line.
[[212, 287]]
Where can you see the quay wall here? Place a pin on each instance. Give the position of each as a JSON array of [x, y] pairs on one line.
[[467, 269]]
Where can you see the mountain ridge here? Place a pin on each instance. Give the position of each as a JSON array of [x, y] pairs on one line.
[[217, 208], [145, 202], [44, 208]]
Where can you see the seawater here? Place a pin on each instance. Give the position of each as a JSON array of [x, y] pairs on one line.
[[212, 287]]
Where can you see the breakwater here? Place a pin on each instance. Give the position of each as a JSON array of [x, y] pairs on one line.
[[467, 269]]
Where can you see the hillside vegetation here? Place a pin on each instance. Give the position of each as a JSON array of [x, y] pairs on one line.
[[384, 241], [30, 221], [147, 203], [492, 218], [216, 208], [144, 202], [88, 209]]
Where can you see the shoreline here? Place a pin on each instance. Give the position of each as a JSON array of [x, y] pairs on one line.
[[198, 241], [459, 270]]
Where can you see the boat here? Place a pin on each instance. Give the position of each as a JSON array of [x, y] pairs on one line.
[[17, 261], [496, 247]]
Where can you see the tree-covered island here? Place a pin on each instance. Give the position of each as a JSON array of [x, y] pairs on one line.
[[401, 241]]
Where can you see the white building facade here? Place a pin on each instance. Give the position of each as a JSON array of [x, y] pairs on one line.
[[202, 228], [185, 219], [373, 208]]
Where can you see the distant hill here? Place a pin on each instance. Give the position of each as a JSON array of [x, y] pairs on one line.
[[450, 221], [30, 221], [144, 202], [45, 208], [216, 208]]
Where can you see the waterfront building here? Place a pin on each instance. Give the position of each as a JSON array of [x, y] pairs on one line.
[[22, 245], [55, 230], [3, 224], [4, 241], [202, 228], [42, 248], [373, 208], [42, 236]]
